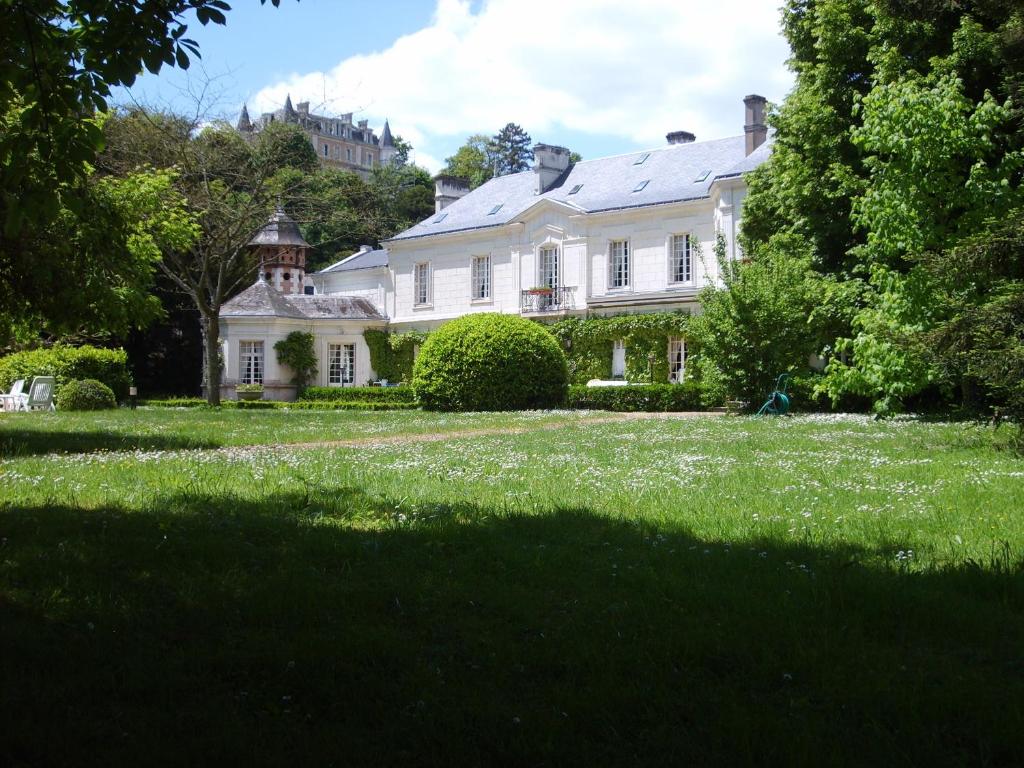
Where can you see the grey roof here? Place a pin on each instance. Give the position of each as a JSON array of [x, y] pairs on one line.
[[674, 172], [263, 300], [280, 229], [361, 260], [244, 124], [385, 136]]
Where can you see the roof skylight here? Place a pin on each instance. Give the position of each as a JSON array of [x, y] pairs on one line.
[[640, 160], [702, 176], [639, 187], [575, 189], [440, 218], [495, 209]]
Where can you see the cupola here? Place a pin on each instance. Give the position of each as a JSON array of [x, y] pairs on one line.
[[281, 253]]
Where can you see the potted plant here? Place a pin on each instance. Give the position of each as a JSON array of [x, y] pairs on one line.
[[541, 290], [249, 391]]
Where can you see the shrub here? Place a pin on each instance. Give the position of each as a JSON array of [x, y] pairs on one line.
[[296, 352], [109, 366], [354, 394], [642, 397], [85, 395], [490, 362]]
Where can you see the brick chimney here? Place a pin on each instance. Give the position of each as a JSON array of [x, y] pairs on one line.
[[754, 128], [680, 137], [448, 189], [549, 162]]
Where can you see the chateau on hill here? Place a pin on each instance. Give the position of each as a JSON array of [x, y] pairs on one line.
[[337, 141]]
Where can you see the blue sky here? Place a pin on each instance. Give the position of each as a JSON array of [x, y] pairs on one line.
[[599, 76]]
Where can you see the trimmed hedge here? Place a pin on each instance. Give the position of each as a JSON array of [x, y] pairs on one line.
[[490, 362], [109, 366], [360, 394], [85, 395], [641, 397], [299, 405]]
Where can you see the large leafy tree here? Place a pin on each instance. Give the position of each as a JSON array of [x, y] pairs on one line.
[[901, 136], [473, 161], [61, 59]]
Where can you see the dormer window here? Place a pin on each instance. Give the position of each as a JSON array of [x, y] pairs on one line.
[[575, 189], [702, 176], [495, 209], [640, 160], [639, 187]]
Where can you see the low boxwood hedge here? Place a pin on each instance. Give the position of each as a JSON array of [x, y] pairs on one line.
[[298, 405], [357, 394], [638, 397]]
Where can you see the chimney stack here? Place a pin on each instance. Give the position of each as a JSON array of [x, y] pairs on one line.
[[448, 189], [549, 162], [680, 137], [755, 129]]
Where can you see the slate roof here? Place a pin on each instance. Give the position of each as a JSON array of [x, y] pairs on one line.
[[280, 229], [361, 260], [674, 173], [263, 300]]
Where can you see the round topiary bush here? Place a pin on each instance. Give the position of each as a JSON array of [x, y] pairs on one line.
[[490, 362], [85, 395]]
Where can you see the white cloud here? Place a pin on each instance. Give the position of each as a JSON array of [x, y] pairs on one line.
[[633, 71]]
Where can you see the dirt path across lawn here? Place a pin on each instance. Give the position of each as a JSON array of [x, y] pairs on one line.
[[433, 437]]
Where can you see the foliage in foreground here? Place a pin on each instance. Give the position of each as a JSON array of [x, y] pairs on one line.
[[490, 362], [644, 397]]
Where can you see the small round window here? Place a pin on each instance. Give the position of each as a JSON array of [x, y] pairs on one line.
[[287, 275]]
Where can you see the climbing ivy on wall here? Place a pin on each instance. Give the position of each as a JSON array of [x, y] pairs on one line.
[[391, 354], [588, 344]]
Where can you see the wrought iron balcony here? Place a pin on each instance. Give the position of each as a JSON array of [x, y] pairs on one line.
[[546, 299]]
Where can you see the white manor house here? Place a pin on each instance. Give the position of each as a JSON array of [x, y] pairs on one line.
[[622, 234]]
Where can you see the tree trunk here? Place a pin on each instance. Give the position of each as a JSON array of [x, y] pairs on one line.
[[211, 351]]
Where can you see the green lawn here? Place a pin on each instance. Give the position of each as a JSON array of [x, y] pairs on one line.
[[805, 591]]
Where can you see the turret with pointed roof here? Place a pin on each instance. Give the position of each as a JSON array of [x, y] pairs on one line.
[[289, 110], [244, 124], [387, 145]]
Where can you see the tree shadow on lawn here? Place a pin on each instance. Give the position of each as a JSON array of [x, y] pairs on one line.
[[208, 630], [30, 442]]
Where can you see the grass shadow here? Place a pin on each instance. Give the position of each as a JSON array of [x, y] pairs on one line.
[[338, 628]]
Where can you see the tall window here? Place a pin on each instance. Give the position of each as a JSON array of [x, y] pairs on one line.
[[250, 362], [341, 364], [680, 267], [676, 360], [325, 150], [421, 283], [618, 264], [481, 277]]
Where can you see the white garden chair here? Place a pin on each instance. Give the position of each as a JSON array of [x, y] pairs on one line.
[[10, 400], [40, 395]]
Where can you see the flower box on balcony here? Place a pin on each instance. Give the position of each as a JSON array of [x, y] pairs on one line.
[[541, 291]]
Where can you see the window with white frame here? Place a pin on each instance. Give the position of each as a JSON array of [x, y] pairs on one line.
[[250, 362], [618, 359], [421, 283], [680, 259], [618, 264], [481, 270], [341, 364], [676, 360]]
